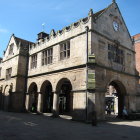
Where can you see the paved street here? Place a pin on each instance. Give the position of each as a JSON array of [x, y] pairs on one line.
[[19, 126]]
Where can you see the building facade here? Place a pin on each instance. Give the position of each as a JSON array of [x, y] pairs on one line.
[[136, 40], [13, 73], [71, 71]]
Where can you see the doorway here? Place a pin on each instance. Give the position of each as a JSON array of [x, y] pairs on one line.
[[115, 99], [65, 97]]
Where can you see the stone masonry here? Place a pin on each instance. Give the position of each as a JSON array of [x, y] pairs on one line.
[[69, 71]]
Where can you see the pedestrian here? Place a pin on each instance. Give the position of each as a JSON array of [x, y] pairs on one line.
[[108, 108], [33, 109], [125, 113]]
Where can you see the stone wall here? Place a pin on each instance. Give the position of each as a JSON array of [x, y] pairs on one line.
[[13, 89]]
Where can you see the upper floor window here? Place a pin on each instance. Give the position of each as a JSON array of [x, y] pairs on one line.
[[65, 50], [8, 73], [47, 56], [115, 54], [11, 48], [33, 61]]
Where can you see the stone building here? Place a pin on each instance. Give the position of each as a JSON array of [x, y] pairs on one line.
[[13, 73], [70, 71]]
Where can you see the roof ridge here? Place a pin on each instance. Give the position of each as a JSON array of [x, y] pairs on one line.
[[97, 14], [23, 39]]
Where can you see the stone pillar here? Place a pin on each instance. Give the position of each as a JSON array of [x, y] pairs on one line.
[[132, 102], [116, 105], [39, 104], [55, 105], [27, 102], [90, 106], [79, 112], [111, 90], [100, 104]]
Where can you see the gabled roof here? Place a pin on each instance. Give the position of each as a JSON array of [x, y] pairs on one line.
[[19, 40], [99, 13], [22, 41]]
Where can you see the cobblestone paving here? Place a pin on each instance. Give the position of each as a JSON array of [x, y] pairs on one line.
[[20, 126]]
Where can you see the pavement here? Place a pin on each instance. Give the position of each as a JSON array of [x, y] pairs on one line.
[[24, 126]]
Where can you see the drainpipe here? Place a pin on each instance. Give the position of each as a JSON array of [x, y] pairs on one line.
[[87, 30], [26, 77]]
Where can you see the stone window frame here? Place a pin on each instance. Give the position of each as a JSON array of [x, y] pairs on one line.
[[115, 54], [11, 49], [65, 50], [129, 58], [47, 56], [34, 61], [8, 73]]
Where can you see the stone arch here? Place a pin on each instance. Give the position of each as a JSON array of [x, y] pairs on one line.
[[33, 97], [61, 81], [1, 97], [6, 98], [47, 96], [63, 89], [6, 90], [116, 94], [32, 86]]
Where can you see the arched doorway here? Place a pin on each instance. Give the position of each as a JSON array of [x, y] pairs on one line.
[[1, 98], [33, 97], [47, 97], [115, 99], [6, 99], [64, 88]]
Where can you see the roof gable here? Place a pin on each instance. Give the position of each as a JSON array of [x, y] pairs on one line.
[[104, 24], [17, 43], [11, 42]]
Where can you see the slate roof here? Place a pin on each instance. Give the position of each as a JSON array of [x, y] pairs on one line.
[[97, 14], [22, 41]]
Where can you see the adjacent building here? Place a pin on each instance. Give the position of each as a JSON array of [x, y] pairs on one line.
[[73, 71], [13, 74], [136, 41]]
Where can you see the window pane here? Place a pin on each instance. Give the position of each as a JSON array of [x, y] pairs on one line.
[[64, 54], [65, 50], [61, 48], [68, 53], [68, 45]]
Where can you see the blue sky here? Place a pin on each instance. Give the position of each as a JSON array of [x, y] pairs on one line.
[[24, 18]]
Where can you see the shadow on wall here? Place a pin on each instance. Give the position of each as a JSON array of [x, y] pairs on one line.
[[12, 102], [5, 102], [87, 113]]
